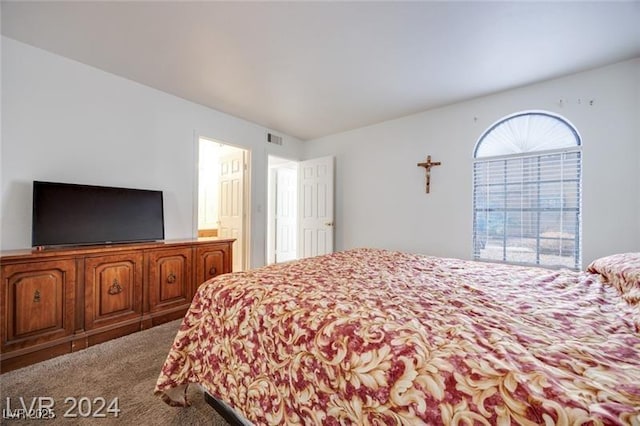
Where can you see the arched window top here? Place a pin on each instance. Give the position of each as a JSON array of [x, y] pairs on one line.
[[524, 132]]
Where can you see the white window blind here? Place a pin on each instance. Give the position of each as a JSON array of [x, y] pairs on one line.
[[527, 206]]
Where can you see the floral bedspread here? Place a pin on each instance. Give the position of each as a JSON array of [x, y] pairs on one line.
[[370, 336]]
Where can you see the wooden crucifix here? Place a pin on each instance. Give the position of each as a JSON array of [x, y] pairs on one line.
[[427, 168]]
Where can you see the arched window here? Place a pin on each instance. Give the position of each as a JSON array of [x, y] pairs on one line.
[[527, 191]]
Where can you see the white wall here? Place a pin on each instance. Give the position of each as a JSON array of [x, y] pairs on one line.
[[380, 196], [65, 121]]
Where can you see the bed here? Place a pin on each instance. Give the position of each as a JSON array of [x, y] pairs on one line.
[[370, 336]]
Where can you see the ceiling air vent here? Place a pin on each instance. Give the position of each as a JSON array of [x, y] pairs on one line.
[[271, 138]]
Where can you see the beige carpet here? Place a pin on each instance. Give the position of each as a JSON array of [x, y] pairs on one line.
[[126, 368]]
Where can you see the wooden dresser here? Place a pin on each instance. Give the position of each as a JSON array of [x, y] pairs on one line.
[[57, 301]]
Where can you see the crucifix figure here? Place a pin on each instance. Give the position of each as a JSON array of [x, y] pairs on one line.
[[427, 168]]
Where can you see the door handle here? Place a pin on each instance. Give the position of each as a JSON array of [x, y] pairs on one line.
[[328, 224]]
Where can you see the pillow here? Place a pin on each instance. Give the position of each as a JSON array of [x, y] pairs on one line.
[[621, 271]]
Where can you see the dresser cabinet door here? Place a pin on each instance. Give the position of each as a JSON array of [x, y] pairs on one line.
[[113, 289], [212, 260], [37, 302], [170, 278]]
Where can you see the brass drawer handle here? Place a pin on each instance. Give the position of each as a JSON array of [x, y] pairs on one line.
[[213, 270], [171, 278], [115, 287], [36, 296]]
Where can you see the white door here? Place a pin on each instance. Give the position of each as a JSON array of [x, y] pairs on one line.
[[231, 213], [286, 214], [315, 201]]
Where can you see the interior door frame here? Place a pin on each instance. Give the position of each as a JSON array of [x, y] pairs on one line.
[[246, 194]]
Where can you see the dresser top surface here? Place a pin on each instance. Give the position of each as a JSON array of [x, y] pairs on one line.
[[70, 251]]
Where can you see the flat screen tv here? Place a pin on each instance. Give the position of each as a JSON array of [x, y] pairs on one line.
[[71, 214]]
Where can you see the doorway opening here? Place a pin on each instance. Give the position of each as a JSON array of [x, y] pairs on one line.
[[300, 211], [282, 210], [223, 196]]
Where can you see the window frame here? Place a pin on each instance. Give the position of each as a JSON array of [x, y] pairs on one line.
[[521, 156]]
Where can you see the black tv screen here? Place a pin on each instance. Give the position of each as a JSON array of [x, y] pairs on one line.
[[70, 214]]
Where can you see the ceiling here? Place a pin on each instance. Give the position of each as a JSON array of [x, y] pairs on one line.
[[310, 69]]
